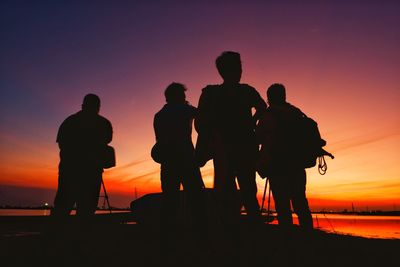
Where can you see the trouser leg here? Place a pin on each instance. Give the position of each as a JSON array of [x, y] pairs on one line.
[[195, 198], [280, 192], [170, 206], [248, 191], [170, 185], [229, 206], [88, 197], [226, 190], [299, 200], [65, 196], [193, 186]]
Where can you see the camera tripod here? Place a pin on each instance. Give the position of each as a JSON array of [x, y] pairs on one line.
[[105, 196], [269, 201]]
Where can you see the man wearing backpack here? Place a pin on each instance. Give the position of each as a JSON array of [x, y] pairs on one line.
[[281, 157]]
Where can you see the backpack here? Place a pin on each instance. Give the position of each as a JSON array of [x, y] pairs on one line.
[[310, 145], [108, 157], [298, 144]]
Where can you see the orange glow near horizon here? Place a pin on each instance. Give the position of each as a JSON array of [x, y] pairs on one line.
[[365, 170]]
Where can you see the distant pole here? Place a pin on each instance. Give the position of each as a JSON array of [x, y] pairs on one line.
[[136, 195]]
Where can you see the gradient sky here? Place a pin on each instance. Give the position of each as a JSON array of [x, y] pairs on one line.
[[339, 60]]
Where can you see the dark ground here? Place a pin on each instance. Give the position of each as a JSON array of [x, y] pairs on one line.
[[112, 244]]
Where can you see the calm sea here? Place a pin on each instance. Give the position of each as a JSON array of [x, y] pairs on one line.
[[387, 227], [28, 212]]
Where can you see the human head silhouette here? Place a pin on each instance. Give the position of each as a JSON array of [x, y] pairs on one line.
[[91, 104], [175, 93], [276, 94], [229, 66]]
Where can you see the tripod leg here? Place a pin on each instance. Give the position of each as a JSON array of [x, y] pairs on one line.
[[269, 201], [105, 194], [263, 198]]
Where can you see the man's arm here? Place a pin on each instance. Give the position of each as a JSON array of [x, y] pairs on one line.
[[193, 111], [60, 134], [63, 133], [202, 120], [109, 132], [259, 104], [156, 128], [266, 130]]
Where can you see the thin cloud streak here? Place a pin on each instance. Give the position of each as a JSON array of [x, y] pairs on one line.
[[142, 176], [133, 163], [358, 141]]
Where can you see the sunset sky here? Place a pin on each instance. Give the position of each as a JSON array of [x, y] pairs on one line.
[[339, 60]]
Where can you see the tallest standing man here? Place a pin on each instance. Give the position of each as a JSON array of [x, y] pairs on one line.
[[226, 124]]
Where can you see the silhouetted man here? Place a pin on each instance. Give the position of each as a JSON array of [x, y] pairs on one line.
[[173, 130], [277, 132], [82, 139], [226, 121]]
